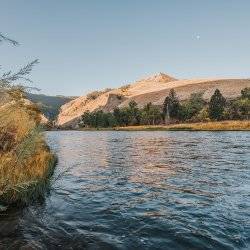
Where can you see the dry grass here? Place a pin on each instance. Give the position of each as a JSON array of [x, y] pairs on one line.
[[25, 160], [204, 126]]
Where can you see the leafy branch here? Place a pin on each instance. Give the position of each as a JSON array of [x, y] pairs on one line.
[[4, 38], [7, 78]]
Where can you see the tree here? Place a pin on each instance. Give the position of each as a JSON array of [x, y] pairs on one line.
[[133, 113], [245, 93], [150, 114], [118, 116], [122, 116], [192, 106], [240, 107], [97, 119], [86, 119], [216, 105], [171, 106]]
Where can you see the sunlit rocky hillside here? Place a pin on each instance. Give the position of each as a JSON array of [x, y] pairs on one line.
[[152, 89]]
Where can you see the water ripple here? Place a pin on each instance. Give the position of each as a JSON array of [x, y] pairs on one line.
[[140, 190]]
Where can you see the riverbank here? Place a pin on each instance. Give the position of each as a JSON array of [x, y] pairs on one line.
[[202, 126], [26, 162]]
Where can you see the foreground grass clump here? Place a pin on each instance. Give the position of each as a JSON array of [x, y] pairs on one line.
[[26, 162]]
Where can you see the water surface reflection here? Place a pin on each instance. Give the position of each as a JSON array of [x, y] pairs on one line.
[[140, 190]]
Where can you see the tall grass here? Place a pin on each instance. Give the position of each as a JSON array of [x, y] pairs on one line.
[[229, 125], [26, 162]]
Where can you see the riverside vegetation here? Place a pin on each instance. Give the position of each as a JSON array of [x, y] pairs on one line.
[[194, 110], [26, 162]]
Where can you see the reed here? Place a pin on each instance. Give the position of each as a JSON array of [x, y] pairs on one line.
[[26, 162]]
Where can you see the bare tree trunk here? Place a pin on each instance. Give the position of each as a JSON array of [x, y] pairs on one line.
[[167, 117]]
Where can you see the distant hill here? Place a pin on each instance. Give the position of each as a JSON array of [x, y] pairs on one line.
[[49, 105], [153, 89]]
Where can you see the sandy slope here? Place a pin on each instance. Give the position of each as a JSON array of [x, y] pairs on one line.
[[153, 89]]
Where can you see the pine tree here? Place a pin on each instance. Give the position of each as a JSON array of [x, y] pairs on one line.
[[216, 105], [134, 113], [171, 106]]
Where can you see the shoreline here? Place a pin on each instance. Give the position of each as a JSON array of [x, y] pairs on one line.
[[234, 125]]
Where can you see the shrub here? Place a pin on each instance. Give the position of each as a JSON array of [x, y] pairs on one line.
[[93, 95], [25, 160], [125, 88]]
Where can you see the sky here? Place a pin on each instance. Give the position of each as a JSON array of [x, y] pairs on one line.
[[84, 45]]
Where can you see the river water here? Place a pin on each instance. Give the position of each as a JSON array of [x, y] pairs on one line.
[[140, 190]]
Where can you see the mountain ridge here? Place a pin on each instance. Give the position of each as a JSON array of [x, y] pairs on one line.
[[151, 89]]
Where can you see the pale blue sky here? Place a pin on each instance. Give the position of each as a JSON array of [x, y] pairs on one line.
[[87, 45]]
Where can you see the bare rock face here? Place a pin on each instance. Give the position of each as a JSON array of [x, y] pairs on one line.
[[152, 89], [161, 77]]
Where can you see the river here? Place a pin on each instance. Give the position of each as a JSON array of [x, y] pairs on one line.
[[139, 190]]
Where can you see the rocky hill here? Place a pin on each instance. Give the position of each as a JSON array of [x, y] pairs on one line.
[[153, 89]]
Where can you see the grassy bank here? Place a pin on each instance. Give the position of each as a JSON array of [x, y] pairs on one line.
[[26, 162], [203, 126]]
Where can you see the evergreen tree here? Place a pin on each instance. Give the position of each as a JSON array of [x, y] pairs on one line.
[[216, 105], [118, 116], [134, 113], [171, 106]]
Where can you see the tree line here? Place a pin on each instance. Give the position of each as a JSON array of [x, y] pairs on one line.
[[195, 109]]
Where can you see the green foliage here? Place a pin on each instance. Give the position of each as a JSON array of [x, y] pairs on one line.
[[134, 114], [202, 116], [151, 115], [98, 119], [130, 115], [121, 116], [238, 109], [216, 106], [195, 109], [49, 105], [191, 107], [171, 106], [245, 93]]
